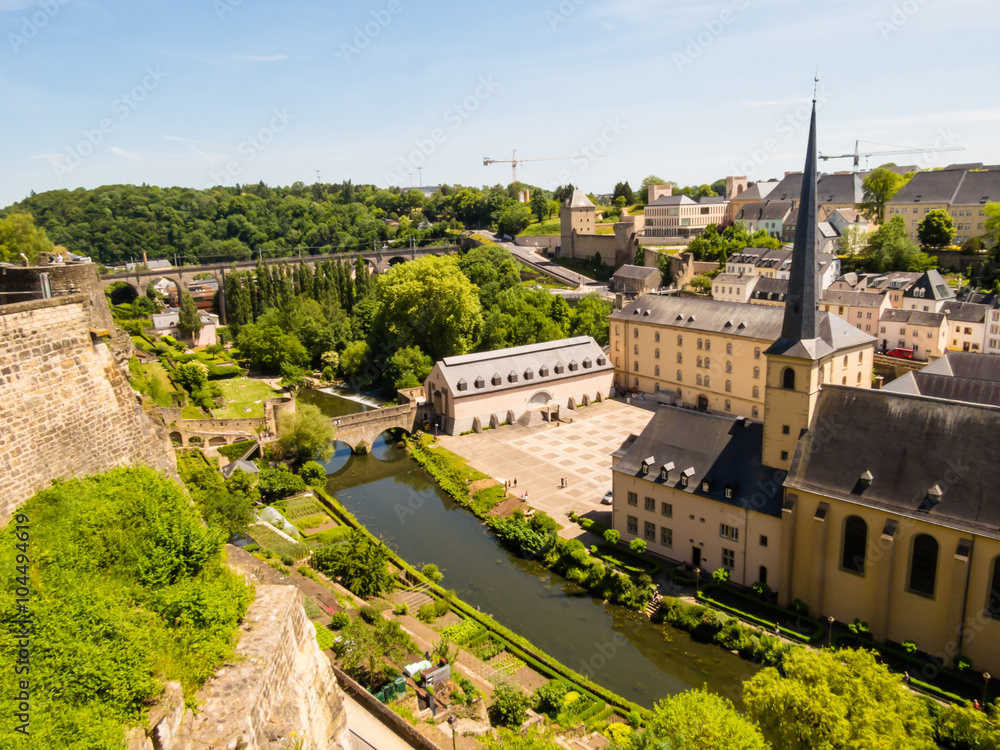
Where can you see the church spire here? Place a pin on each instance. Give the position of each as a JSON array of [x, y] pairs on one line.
[[800, 322]]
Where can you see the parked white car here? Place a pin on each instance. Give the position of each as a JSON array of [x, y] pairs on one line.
[[608, 498]]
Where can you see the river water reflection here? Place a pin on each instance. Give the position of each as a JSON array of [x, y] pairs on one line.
[[618, 648]]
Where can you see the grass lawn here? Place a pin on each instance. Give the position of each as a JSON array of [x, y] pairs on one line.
[[605, 229], [542, 229], [241, 394]]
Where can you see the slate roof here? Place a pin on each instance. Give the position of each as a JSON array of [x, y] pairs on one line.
[[672, 200], [248, 466], [922, 383], [579, 199], [711, 316], [642, 273], [735, 278], [966, 365], [852, 299], [558, 360], [831, 188], [965, 312], [768, 286], [776, 210], [978, 189], [939, 186], [893, 280], [933, 286], [757, 191], [912, 317], [725, 451], [780, 259], [835, 333], [952, 445]]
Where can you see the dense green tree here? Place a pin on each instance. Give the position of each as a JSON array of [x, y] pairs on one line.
[[363, 650], [189, 318], [226, 506], [509, 707], [268, 347], [539, 205], [563, 192], [836, 700], [891, 249], [590, 318], [622, 190], [313, 473], [306, 434], [699, 720], [991, 227], [428, 303], [275, 483], [18, 234], [937, 229], [361, 563], [879, 186], [353, 358], [535, 738], [408, 367], [514, 219]]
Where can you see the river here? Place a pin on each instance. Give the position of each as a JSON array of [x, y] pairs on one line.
[[616, 647]]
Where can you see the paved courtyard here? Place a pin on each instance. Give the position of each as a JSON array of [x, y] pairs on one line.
[[538, 456]]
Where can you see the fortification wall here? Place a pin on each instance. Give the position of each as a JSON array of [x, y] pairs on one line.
[[279, 692], [66, 406]]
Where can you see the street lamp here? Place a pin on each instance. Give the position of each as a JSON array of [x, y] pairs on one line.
[[829, 637], [986, 687], [697, 579]]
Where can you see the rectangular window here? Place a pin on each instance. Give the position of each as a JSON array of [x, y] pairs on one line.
[[728, 558], [763, 541], [667, 510], [650, 504], [633, 525], [650, 529], [666, 536], [633, 499], [729, 532]]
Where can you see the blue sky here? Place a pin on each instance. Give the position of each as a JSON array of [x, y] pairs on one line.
[[202, 92]]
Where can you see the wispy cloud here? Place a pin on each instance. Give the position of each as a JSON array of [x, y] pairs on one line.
[[51, 158], [258, 58], [124, 154]]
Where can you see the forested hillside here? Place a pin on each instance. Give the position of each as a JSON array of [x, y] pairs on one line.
[[116, 223]]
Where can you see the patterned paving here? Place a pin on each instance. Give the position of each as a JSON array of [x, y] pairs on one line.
[[539, 456]]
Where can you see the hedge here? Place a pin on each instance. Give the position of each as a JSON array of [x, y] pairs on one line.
[[629, 561], [518, 646], [234, 450], [716, 596]]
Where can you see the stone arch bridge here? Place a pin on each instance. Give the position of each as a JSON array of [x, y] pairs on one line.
[[378, 260], [361, 429]]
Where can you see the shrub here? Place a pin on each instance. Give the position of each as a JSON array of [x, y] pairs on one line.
[[762, 590], [426, 613], [962, 662], [550, 696], [721, 575], [620, 734], [401, 609], [287, 560], [611, 536], [800, 608], [638, 546], [339, 620], [312, 472], [432, 572], [510, 706], [910, 647], [859, 627]]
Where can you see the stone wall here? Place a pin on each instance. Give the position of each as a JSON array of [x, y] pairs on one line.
[[279, 692], [66, 406]]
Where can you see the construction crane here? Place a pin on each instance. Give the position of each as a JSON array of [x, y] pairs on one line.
[[514, 161], [858, 153]]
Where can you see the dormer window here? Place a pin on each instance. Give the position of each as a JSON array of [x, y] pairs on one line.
[[686, 476], [705, 485], [463, 384], [730, 492], [543, 371], [665, 471], [496, 380], [646, 463], [560, 368], [601, 361], [573, 365], [588, 363], [511, 377], [529, 374], [480, 383]]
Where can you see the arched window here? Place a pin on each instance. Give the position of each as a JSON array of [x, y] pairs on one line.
[[700, 361], [635, 333], [697, 380], [756, 392], [756, 372], [729, 386], [656, 336], [923, 564], [700, 343], [618, 362], [756, 353], [657, 354], [993, 605], [635, 366], [657, 371], [788, 379], [680, 340], [852, 556], [679, 358], [729, 348], [729, 366], [729, 405], [617, 347], [707, 382], [635, 349], [679, 376], [708, 361]]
